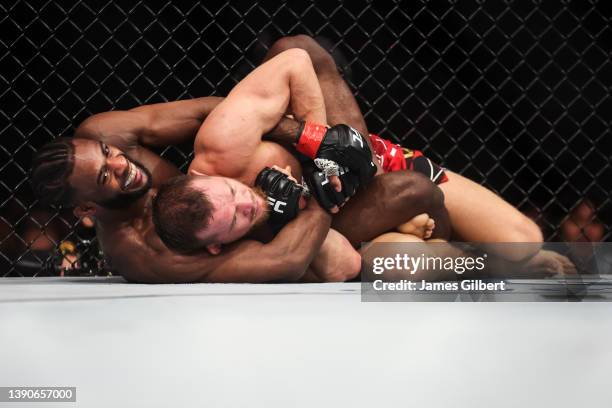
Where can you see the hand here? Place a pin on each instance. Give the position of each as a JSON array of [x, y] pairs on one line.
[[322, 189], [287, 171], [283, 194], [331, 170], [194, 172], [340, 144]]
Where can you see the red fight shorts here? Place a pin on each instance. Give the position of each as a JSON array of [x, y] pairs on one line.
[[393, 157]]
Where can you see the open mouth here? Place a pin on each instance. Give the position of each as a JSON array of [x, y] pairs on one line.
[[131, 177]]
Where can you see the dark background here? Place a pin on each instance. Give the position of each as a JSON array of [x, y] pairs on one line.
[[515, 96]]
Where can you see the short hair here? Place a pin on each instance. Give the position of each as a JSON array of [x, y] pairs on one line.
[[52, 165], [180, 211]]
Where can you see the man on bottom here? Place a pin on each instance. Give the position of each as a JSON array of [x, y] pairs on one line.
[[108, 173]]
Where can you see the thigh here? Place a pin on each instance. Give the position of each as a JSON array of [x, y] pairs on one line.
[[479, 215], [397, 237], [388, 201]]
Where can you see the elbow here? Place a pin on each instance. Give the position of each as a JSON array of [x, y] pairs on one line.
[[287, 264], [322, 61], [297, 56], [290, 270]]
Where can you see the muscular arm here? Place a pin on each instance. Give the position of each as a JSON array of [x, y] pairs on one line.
[[159, 124], [285, 258], [232, 133], [284, 133]]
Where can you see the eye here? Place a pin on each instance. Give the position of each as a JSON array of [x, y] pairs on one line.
[[106, 151], [105, 177]]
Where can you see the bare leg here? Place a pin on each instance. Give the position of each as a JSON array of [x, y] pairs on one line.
[[479, 215], [390, 200], [418, 247]]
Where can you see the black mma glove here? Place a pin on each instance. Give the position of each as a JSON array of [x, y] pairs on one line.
[[340, 144], [283, 195], [325, 193]]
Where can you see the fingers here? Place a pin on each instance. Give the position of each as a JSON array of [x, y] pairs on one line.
[[193, 172], [286, 171], [335, 181]]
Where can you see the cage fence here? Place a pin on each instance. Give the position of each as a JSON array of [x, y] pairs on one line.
[[514, 95]]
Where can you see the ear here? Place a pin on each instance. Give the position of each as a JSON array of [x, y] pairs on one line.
[[214, 249], [193, 172], [84, 210]]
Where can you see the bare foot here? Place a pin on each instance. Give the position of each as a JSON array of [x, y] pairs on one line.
[[550, 263], [421, 226]]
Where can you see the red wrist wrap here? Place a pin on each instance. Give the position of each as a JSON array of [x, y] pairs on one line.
[[309, 141]]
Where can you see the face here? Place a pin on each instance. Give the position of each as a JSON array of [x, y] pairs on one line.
[[106, 175], [582, 226], [237, 208]]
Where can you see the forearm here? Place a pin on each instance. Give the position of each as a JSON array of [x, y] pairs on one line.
[[258, 103], [306, 97], [174, 122], [300, 241], [285, 132]]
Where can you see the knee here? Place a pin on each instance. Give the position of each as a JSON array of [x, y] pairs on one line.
[[322, 61], [525, 230], [352, 267], [416, 188], [524, 235], [345, 269]]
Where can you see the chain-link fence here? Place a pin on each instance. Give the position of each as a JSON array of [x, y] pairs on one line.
[[513, 95]]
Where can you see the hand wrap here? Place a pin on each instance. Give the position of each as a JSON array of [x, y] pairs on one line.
[[341, 144], [325, 193]]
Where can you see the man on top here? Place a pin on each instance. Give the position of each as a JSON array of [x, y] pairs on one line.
[[108, 173]]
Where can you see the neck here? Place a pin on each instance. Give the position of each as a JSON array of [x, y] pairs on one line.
[[135, 210]]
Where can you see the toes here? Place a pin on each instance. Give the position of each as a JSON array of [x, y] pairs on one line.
[[422, 218]]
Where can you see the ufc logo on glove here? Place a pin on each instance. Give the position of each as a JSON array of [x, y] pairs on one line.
[[276, 205]]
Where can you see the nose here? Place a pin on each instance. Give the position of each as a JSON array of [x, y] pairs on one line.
[[244, 207], [117, 164], [244, 203]]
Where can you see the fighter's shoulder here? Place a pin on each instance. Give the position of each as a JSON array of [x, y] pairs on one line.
[[136, 255]]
